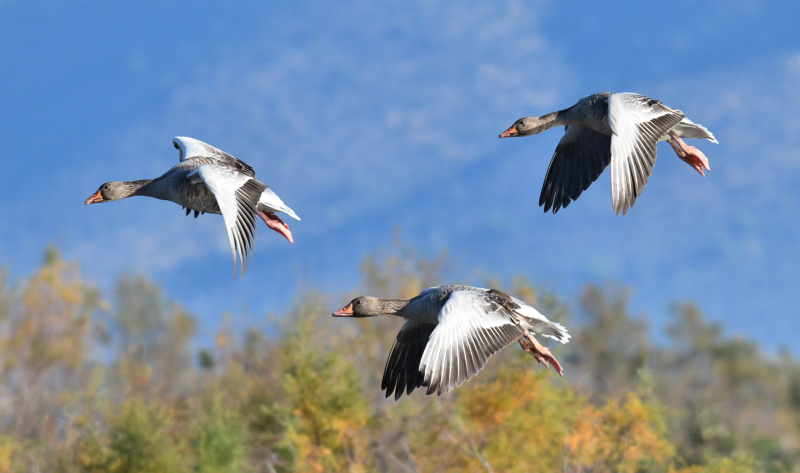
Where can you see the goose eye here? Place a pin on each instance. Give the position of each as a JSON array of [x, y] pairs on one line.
[[105, 188]]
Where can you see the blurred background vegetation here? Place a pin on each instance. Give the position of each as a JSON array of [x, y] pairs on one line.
[[119, 383]]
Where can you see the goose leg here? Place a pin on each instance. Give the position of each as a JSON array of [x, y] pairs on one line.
[[693, 156], [274, 222], [539, 351]]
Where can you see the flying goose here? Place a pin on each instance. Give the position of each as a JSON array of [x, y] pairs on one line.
[[209, 180], [451, 331], [617, 128]]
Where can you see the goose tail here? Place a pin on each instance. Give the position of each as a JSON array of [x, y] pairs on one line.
[[688, 129]]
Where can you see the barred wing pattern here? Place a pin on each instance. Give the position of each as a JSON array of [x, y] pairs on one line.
[[237, 195], [637, 123], [191, 148], [472, 327]]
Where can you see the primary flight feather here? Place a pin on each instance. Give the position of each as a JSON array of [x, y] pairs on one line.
[[209, 180]]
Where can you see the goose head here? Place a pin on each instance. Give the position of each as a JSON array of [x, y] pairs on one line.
[[527, 126], [113, 190], [364, 306]]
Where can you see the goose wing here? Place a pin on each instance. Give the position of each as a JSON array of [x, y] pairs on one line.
[[473, 325], [637, 122], [237, 195], [191, 148], [402, 367], [580, 157]]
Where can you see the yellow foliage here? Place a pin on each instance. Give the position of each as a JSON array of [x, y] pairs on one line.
[[8, 447], [619, 437], [55, 322], [737, 464], [308, 400], [327, 412]]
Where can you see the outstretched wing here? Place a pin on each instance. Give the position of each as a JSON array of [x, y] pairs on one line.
[[191, 148], [402, 367], [237, 196], [637, 122], [580, 157], [472, 327]]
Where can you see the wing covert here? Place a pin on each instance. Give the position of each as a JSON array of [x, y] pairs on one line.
[[237, 196], [472, 327], [189, 148], [637, 123]]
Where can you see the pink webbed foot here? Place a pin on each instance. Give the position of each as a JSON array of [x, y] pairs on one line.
[[540, 352], [691, 155], [274, 222]]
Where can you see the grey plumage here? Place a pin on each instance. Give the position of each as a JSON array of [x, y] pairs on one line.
[[620, 129], [208, 180], [449, 334]]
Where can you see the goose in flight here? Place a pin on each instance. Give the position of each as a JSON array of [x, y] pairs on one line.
[[209, 180], [451, 331], [617, 128]]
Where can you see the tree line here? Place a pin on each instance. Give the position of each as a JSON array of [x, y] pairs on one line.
[[93, 382]]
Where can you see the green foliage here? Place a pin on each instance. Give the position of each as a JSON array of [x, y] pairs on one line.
[[205, 359], [119, 388], [612, 346], [220, 440], [140, 442], [325, 407]]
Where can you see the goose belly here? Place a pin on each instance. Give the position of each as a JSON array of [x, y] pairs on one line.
[[195, 197], [601, 126], [203, 204]]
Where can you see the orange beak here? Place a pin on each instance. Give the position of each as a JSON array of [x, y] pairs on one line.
[[511, 132], [347, 311], [95, 198]]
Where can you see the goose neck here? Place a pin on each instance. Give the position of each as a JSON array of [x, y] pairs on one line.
[[143, 187], [554, 119], [392, 306]]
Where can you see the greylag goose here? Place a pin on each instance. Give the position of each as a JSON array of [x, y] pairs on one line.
[[617, 128], [451, 331], [209, 180]]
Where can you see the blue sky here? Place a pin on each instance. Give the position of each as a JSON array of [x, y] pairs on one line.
[[365, 116]]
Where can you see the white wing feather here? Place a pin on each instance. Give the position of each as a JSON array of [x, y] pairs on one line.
[[192, 148], [471, 329], [236, 196], [637, 123]]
